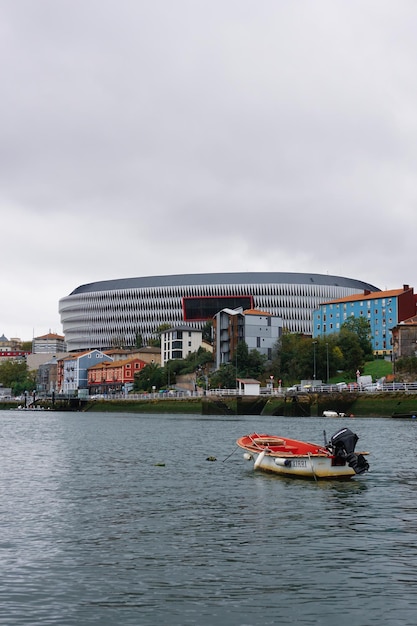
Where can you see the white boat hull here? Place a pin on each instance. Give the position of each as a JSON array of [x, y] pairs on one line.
[[332, 414], [299, 466]]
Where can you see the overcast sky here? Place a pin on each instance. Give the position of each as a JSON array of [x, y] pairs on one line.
[[147, 137]]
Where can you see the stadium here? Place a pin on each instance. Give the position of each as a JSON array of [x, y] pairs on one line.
[[113, 313]]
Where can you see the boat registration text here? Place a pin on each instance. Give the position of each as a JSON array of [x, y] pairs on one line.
[[298, 462]]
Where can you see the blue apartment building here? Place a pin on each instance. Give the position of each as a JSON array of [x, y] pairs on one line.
[[383, 309], [73, 370]]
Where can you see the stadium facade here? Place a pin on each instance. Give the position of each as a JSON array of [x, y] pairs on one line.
[[115, 312]]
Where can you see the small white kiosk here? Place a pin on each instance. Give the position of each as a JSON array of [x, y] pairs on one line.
[[248, 386]]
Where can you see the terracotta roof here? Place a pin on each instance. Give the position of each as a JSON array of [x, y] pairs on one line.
[[119, 363], [150, 349], [392, 293], [120, 351], [77, 355], [256, 312]]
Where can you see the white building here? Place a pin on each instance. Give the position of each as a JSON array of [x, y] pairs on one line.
[[179, 342], [49, 344], [248, 387]]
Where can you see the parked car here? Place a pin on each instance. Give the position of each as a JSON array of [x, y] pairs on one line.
[[372, 388], [341, 386], [292, 389]]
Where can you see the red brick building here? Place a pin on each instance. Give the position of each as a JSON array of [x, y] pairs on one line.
[[111, 377]]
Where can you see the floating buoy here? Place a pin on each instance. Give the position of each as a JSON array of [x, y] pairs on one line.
[[247, 456], [211, 458], [283, 462], [259, 459]]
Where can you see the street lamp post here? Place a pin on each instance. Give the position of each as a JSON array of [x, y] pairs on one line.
[[327, 360], [314, 360], [236, 340]]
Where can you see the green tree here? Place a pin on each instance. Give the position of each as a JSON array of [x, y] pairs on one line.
[[241, 359], [152, 375], [257, 364], [199, 358], [362, 328], [15, 374], [224, 377], [29, 384], [249, 363], [293, 358], [193, 361], [329, 357], [156, 340], [207, 332], [352, 352]]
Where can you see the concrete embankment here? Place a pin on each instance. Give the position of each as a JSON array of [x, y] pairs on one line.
[[365, 405]]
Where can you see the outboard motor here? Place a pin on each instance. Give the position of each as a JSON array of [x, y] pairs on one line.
[[342, 445]]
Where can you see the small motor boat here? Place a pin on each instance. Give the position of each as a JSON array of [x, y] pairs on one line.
[[291, 457]]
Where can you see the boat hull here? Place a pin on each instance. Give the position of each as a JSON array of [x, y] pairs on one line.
[[288, 457], [302, 466], [333, 414]]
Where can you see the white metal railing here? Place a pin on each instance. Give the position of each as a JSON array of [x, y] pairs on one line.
[[279, 392], [355, 388]]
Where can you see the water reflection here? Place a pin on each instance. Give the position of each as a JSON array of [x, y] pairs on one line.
[[98, 531]]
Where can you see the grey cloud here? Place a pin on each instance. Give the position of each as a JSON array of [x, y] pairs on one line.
[[233, 135]]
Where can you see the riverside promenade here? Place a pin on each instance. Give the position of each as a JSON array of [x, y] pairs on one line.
[[381, 404]]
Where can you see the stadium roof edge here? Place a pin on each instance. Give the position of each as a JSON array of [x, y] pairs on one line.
[[176, 280]]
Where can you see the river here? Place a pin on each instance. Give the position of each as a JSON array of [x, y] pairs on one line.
[[121, 519]]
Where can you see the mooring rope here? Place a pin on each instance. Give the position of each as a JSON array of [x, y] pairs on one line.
[[312, 468], [228, 457]]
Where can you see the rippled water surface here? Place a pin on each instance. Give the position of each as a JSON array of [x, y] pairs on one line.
[[121, 519]]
